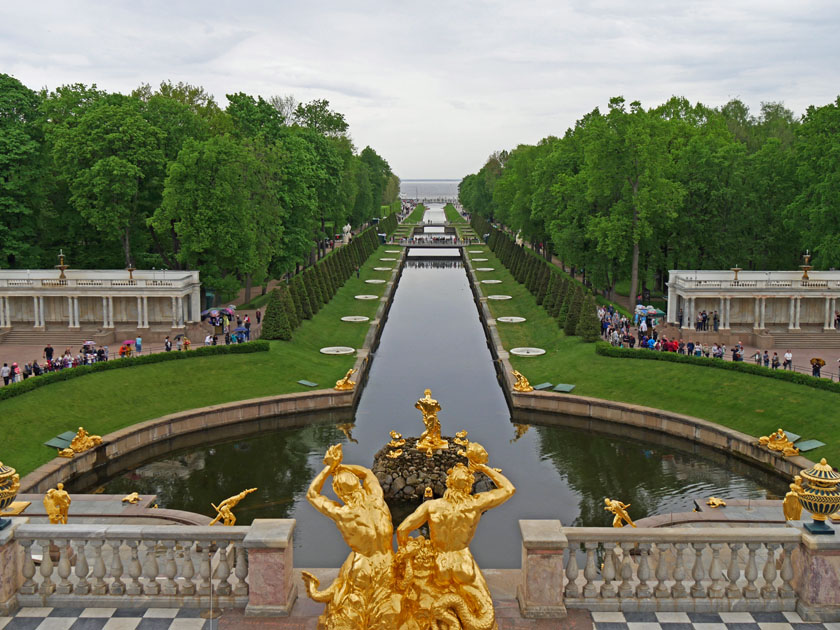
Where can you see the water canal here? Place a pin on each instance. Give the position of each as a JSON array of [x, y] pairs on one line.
[[433, 338]]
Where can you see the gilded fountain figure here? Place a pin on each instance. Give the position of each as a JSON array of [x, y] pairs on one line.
[[430, 440]]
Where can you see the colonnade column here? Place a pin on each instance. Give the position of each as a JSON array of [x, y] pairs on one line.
[[180, 301], [35, 311], [139, 312], [728, 313], [76, 310], [145, 312], [763, 312], [110, 311], [104, 312], [70, 311], [828, 320], [687, 318], [755, 313], [174, 312], [41, 310], [672, 305], [798, 311], [831, 314], [3, 312]]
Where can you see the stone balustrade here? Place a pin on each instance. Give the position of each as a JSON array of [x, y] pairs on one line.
[[714, 569], [130, 566]]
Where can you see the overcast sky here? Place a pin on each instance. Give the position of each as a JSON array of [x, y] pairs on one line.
[[435, 87]]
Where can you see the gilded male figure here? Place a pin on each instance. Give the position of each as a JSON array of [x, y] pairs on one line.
[[362, 595], [462, 598]]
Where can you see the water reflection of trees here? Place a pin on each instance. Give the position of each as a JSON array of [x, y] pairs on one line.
[[277, 463], [655, 480], [428, 263]]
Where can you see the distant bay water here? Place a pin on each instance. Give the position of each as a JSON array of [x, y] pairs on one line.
[[412, 188]]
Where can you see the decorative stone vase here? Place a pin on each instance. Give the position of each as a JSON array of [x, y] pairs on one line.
[[820, 496], [9, 485]]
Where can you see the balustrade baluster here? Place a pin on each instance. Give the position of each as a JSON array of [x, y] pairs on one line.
[[135, 570], [240, 589], [117, 587], [608, 589], [768, 591], [733, 572], [170, 569], [751, 572], [223, 570], [678, 590], [698, 572], [786, 590], [64, 569], [204, 570], [572, 590], [47, 586], [625, 589], [150, 568], [28, 587], [661, 589], [82, 569], [716, 590], [590, 571], [644, 573], [99, 586], [187, 569]]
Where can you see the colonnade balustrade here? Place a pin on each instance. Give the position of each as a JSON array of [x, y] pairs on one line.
[[679, 569]]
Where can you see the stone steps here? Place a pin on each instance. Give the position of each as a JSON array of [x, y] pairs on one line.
[[55, 336], [807, 340]]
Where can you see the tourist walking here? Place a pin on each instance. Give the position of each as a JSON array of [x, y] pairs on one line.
[[167, 345], [6, 373], [259, 316], [788, 362], [138, 344], [48, 352]]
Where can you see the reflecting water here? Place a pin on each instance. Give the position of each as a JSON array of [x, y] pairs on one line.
[[433, 338]]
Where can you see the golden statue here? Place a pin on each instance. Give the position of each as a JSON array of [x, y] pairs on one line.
[[345, 384], [83, 441], [791, 505], [715, 502], [132, 498], [66, 452], [225, 508], [521, 384], [619, 509], [57, 503], [430, 440], [461, 438], [395, 454], [395, 436], [428, 493], [439, 578], [779, 442], [362, 596]]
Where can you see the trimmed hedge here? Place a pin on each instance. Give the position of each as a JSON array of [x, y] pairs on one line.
[[605, 349], [34, 382]]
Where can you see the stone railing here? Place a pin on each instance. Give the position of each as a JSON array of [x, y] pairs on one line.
[[691, 283], [130, 566], [680, 569]]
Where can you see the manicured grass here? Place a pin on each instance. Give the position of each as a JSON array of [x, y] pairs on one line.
[[108, 401], [416, 215], [752, 404], [452, 214]]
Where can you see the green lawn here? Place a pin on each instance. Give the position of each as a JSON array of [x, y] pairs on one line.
[[108, 401], [416, 215], [747, 403], [452, 214]]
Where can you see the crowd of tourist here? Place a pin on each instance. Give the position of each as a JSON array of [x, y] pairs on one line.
[[618, 331]]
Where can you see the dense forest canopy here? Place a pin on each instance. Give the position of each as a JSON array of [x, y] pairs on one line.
[[165, 178], [632, 192]]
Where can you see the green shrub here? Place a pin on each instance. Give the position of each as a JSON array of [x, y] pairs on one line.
[[589, 326], [275, 324], [289, 308], [573, 314]]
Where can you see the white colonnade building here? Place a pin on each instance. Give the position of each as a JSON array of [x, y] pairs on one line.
[[755, 301], [98, 299]]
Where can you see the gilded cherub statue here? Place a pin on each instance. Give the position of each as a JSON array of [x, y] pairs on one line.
[[451, 590], [84, 441], [619, 509], [362, 596], [521, 384], [57, 503], [430, 440], [345, 384], [715, 502], [779, 442], [132, 498], [225, 508], [791, 506]]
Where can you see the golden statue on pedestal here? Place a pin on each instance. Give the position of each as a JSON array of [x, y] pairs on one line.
[[521, 384], [57, 503], [791, 506], [83, 441], [430, 583], [430, 440], [345, 384], [362, 596], [779, 442], [619, 509], [225, 508]]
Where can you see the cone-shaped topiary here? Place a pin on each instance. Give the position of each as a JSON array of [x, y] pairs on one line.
[[573, 314], [589, 327], [313, 289], [275, 324], [289, 307], [294, 292], [542, 283], [550, 292], [565, 301], [300, 289]]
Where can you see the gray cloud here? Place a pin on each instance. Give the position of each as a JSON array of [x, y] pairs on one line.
[[437, 86]]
